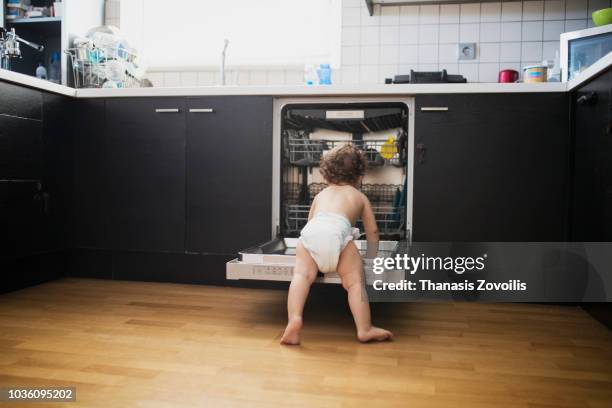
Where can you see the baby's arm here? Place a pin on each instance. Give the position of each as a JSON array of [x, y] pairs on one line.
[[371, 229]]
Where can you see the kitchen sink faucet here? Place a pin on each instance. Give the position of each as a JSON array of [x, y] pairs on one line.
[[222, 67]]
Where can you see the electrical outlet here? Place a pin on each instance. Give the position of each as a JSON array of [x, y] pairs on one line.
[[466, 51]]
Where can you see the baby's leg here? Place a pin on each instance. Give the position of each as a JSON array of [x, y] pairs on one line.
[[304, 274], [350, 269]]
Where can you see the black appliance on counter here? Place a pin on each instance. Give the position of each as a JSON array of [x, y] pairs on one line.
[[436, 77]]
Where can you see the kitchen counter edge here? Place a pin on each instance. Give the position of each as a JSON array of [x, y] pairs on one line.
[[302, 90]]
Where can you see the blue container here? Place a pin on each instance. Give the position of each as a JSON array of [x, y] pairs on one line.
[[324, 73]]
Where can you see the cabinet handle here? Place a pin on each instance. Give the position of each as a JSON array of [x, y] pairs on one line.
[[421, 150], [434, 109], [20, 181], [201, 110], [588, 99], [172, 110]]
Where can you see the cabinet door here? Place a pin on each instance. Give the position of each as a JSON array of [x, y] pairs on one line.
[[21, 218], [19, 101], [146, 173], [58, 158], [592, 203], [491, 168], [20, 148], [229, 173], [91, 176]]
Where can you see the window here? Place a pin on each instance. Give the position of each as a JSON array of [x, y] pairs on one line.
[[190, 33]]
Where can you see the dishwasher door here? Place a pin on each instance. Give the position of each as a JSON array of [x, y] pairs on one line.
[[275, 259]]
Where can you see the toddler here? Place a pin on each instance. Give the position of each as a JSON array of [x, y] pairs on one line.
[[326, 243]]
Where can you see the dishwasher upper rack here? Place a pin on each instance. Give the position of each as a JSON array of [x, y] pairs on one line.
[[376, 120], [389, 219], [307, 152]]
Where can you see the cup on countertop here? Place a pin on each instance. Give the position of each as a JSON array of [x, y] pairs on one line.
[[535, 73], [508, 76]]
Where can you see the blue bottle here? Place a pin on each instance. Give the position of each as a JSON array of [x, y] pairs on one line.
[[324, 74]]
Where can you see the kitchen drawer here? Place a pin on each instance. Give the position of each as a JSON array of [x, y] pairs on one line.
[[20, 148], [20, 101]]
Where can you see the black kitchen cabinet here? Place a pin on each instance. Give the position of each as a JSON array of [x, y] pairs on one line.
[[145, 167], [592, 183], [22, 216], [33, 186], [229, 173], [91, 200], [492, 167], [21, 173], [58, 170], [19, 101], [20, 148]]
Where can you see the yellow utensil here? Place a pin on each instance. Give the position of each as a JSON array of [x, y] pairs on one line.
[[389, 148]]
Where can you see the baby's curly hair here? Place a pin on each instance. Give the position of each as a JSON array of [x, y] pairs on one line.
[[343, 164]]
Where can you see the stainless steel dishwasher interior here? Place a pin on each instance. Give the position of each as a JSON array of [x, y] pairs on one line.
[[304, 129]]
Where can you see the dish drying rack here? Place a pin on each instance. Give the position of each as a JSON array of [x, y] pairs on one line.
[[390, 215], [90, 67], [303, 151]]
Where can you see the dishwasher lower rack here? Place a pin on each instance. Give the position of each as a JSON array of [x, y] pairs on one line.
[[390, 220], [274, 261]]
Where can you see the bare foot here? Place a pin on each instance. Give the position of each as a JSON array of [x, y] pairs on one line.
[[291, 336], [375, 334]]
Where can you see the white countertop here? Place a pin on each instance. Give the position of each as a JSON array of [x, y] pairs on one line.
[[333, 90], [302, 90], [33, 82]]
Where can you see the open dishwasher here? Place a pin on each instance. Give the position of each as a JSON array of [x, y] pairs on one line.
[[304, 130]]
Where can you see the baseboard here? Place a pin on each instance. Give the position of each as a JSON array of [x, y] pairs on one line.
[[32, 270], [202, 269], [602, 312]]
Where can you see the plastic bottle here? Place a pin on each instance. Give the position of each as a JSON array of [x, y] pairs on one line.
[[324, 74], [555, 71], [54, 68], [309, 75], [41, 71]]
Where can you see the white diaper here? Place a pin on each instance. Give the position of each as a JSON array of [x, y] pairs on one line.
[[325, 236]]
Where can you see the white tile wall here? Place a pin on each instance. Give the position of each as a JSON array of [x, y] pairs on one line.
[[509, 35], [554, 10], [449, 13], [490, 12], [490, 32]]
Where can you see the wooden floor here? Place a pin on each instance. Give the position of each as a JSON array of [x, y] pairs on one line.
[[134, 344]]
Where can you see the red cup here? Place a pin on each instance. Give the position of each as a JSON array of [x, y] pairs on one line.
[[508, 75]]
